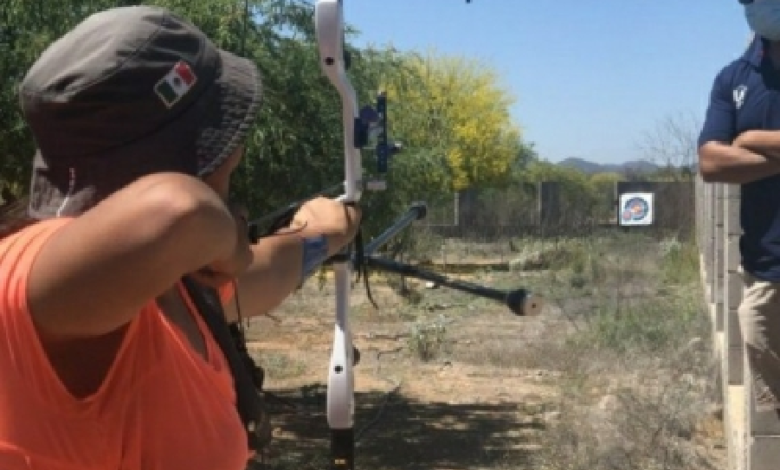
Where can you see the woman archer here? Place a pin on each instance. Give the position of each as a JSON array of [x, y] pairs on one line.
[[107, 359]]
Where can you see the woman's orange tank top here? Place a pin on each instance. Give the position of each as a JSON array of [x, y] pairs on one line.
[[162, 405]]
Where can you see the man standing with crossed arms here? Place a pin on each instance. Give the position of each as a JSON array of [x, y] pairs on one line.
[[740, 144]]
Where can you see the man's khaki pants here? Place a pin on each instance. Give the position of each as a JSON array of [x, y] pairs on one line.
[[759, 318]]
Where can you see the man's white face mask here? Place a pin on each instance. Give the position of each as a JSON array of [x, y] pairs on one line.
[[763, 17]]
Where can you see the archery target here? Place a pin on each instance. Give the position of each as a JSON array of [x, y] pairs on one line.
[[636, 209]]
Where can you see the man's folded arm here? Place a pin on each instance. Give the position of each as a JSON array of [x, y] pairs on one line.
[[721, 162], [725, 156]]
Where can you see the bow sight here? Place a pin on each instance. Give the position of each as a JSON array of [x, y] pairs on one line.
[[372, 124]]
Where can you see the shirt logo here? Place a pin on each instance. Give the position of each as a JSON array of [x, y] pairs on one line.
[[739, 95]]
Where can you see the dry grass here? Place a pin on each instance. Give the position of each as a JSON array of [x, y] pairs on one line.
[[639, 380], [616, 374]]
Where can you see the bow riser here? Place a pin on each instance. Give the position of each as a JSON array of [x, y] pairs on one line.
[[329, 26]]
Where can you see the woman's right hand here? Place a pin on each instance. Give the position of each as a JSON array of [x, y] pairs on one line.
[[335, 220]]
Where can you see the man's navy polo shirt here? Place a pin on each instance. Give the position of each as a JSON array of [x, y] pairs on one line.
[[746, 96]]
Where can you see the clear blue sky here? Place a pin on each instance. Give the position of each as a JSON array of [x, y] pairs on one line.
[[591, 77]]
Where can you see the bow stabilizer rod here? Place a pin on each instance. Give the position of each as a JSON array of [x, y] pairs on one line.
[[417, 211], [520, 301]]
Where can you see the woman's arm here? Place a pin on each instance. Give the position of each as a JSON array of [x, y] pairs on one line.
[[97, 272], [274, 275], [277, 267]]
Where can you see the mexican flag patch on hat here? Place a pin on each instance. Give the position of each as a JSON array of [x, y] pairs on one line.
[[175, 84]]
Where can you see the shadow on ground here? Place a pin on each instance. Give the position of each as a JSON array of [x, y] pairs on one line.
[[396, 432]]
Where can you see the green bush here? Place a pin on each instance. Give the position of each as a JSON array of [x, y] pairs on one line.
[[652, 322], [680, 263], [427, 340], [648, 326]]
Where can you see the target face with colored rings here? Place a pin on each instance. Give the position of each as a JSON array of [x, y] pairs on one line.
[[636, 209]]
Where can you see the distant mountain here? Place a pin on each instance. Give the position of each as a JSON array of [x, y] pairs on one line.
[[585, 166]]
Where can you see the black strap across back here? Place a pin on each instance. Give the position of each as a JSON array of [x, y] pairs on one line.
[[247, 377]]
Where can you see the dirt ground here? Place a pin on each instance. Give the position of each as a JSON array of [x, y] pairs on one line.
[[483, 402], [462, 409]]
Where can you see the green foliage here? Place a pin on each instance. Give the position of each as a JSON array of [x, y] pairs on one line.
[[295, 148], [427, 339], [580, 194], [647, 326], [663, 321], [456, 107], [606, 178], [680, 263]]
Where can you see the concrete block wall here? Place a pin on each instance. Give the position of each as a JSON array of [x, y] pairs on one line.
[[753, 438]]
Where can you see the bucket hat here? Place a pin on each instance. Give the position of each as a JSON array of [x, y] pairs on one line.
[[128, 92]]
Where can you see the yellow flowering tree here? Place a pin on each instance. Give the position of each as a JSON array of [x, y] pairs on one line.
[[455, 108]]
